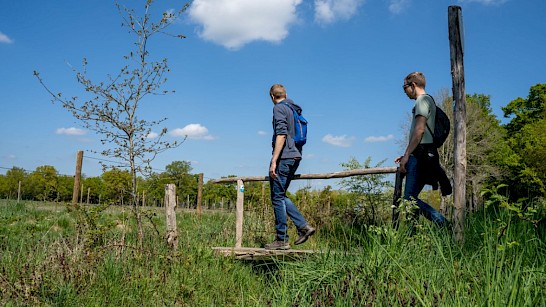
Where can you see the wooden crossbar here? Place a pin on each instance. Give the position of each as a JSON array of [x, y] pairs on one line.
[[342, 174]]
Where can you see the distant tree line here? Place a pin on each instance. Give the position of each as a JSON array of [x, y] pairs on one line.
[[112, 187]]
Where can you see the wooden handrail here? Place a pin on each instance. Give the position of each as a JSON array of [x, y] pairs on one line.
[[342, 174]]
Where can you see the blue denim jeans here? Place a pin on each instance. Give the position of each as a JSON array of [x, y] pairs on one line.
[[282, 205], [415, 182]]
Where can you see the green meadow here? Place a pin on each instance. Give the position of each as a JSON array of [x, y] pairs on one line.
[[52, 255]]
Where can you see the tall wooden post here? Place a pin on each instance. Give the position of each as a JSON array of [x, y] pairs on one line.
[[81, 194], [19, 193], [456, 47], [396, 197], [170, 205], [199, 192], [239, 214], [77, 179]]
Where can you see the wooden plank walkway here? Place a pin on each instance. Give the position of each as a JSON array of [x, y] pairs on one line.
[[254, 253]]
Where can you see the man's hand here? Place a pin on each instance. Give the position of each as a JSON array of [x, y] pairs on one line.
[[272, 168], [403, 160], [280, 139]]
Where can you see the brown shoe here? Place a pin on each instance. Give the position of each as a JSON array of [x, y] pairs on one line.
[[304, 234], [277, 245]]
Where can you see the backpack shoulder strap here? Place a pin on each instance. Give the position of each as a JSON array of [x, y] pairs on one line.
[[435, 106], [288, 105]]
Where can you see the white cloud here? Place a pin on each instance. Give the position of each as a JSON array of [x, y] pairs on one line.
[[193, 131], [341, 141], [261, 132], [70, 131], [375, 139], [5, 39], [396, 6], [329, 11], [234, 23]]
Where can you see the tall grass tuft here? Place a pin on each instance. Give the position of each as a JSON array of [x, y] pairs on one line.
[[393, 268]]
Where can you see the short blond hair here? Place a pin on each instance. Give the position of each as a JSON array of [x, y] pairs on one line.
[[277, 91], [416, 77]]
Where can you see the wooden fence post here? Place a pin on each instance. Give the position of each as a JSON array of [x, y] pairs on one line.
[[239, 214], [81, 194], [396, 197], [77, 179], [456, 41], [170, 205], [199, 192], [19, 193]]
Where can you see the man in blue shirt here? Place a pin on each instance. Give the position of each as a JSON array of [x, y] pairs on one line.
[[285, 160]]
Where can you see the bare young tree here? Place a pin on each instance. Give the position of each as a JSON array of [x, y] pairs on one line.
[[113, 108]]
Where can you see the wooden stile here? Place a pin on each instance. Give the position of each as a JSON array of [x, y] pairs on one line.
[[243, 253]]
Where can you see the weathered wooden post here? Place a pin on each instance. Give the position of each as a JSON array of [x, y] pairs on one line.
[[239, 214], [456, 40], [19, 193], [396, 196], [81, 194], [77, 179], [170, 212], [199, 192]]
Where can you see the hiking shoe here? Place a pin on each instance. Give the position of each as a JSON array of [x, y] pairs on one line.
[[277, 245], [304, 234]]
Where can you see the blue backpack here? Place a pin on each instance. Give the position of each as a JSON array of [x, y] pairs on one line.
[[300, 126]]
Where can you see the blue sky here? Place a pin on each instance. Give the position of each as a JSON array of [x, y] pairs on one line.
[[343, 61]]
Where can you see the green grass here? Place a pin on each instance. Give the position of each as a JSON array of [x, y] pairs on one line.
[[50, 256]]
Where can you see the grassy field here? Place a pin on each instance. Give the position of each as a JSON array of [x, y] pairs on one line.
[[51, 256]]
